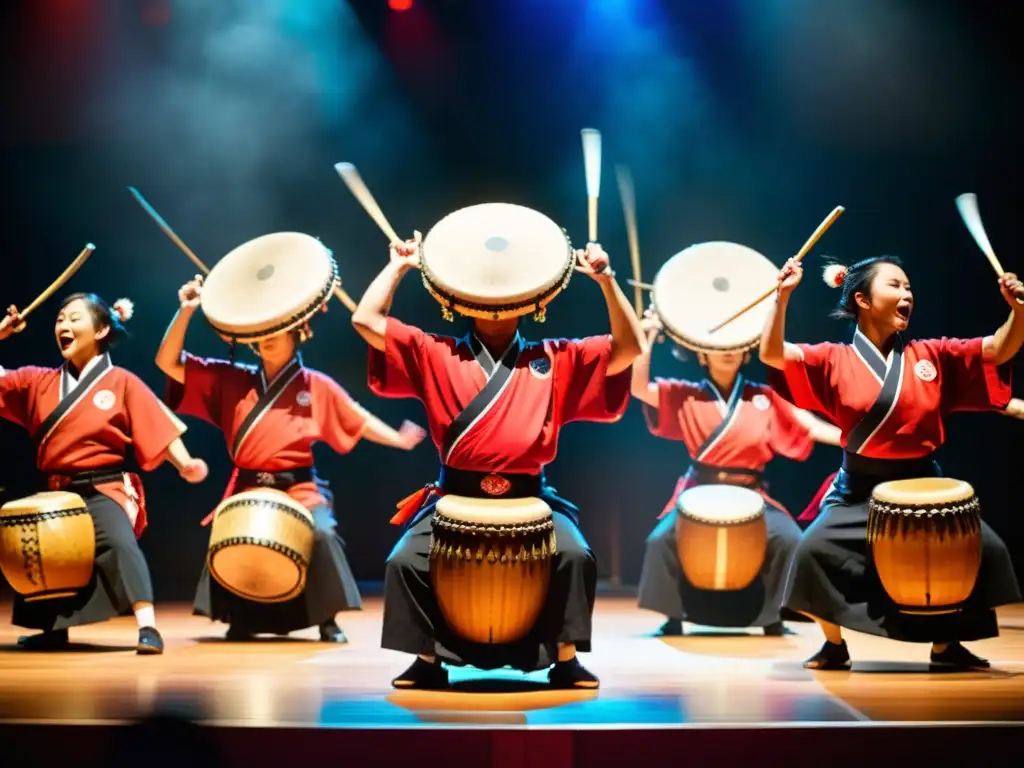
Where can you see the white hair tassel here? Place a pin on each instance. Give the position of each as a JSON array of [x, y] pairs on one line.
[[834, 275], [124, 309]]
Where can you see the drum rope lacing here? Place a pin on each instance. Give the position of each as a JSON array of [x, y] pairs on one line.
[[494, 530], [484, 543], [885, 519], [449, 302], [32, 519], [926, 510], [274, 546], [231, 506]]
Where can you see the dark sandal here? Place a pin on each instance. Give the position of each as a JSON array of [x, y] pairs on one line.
[[572, 674], [957, 657], [831, 656], [422, 675]]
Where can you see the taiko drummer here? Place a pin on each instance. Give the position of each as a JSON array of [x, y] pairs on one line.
[[889, 396], [495, 405], [89, 419], [731, 428], [271, 415]]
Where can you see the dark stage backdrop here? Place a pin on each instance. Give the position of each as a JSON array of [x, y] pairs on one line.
[[740, 121]]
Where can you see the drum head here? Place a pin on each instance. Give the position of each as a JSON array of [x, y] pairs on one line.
[[268, 285], [496, 260], [704, 284], [720, 504], [47, 501], [923, 491], [493, 511], [256, 572]]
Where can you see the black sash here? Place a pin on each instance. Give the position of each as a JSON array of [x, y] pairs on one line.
[[92, 477], [507, 485], [69, 397], [266, 399], [498, 375], [281, 481], [860, 474], [892, 384], [709, 474], [730, 411]]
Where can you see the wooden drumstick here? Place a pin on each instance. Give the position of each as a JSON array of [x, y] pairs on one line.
[[344, 298], [641, 285], [628, 194], [355, 185], [967, 204], [822, 228], [167, 229], [592, 168], [64, 277]]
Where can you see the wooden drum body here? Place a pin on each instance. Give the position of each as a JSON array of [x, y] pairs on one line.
[[268, 286], [721, 536], [925, 539], [495, 261], [47, 545], [704, 284], [260, 545], [490, 565]]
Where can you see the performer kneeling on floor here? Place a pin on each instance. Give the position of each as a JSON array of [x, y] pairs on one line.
[[889, 395], [731, 428], [87, 418], [495, 405], [271, 415]]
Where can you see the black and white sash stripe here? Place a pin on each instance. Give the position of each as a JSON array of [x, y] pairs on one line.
[[71, 394], [729, 410], [499, 374], [890, 373], [269, 392]]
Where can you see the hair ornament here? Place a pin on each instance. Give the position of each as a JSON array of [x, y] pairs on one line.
[[124, 309], [834, 275]]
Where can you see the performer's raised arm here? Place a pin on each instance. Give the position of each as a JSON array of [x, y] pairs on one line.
[[775, 351], [370, 317], [627, 335], [1005, 343], [169, 358], [643, 389]]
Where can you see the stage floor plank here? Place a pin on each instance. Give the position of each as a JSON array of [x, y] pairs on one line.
[[709, 679]]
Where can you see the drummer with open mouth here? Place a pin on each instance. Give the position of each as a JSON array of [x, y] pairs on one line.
[[731, 428], [495, 405], [271, 415], [88, 419], [889, 395]]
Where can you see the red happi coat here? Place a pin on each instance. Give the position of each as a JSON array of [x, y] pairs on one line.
[[269, 426], [892, 407], [497, 414], [744, 431], [90, 425]]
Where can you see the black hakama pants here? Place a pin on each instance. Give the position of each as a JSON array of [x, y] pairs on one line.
[[833, 575], [413, 622], [330, 588], [120, 576], [665, 589]]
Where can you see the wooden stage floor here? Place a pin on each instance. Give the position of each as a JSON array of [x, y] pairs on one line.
[[710, 679]]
